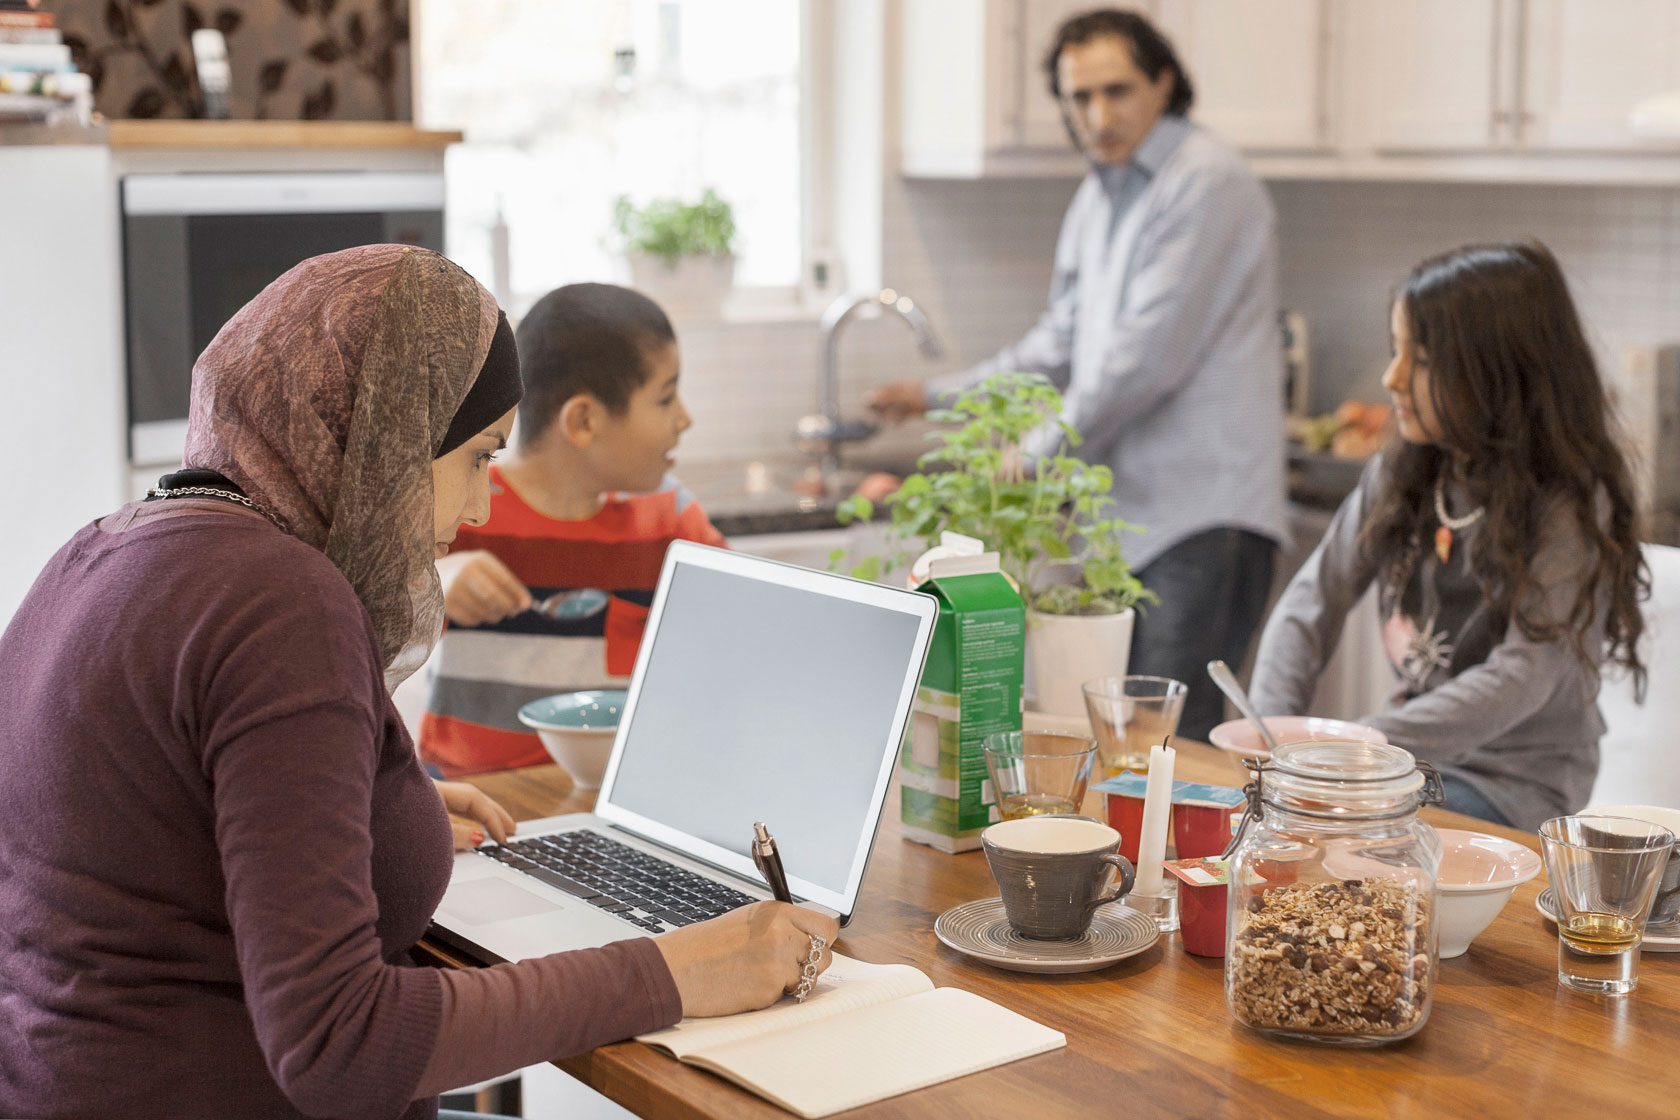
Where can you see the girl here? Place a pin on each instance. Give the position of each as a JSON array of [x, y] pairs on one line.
[[218, 844], [1501, 530]]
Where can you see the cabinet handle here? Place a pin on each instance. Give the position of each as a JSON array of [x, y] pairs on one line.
[[1520, 116], [1324, 56], [1496, 115], [1016, 119]]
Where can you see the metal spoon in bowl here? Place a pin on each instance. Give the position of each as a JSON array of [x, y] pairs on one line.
[[1227, 682]]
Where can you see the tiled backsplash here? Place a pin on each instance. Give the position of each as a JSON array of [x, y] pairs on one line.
[[976, 256], [1347, 247]]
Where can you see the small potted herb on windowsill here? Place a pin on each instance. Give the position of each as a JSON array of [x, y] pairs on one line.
[[1047, 526], [680, 254]]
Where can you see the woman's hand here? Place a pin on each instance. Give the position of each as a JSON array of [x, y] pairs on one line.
[[746, 959], [478, 588], [465, 800]]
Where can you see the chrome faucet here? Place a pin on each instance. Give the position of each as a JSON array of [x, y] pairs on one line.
[[826, 426]]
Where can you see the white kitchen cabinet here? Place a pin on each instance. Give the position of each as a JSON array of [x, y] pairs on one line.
[[1472, 90], [972, 99], [1516, 75], [1262, 71], [1040, 116], [61, 350], [975, 100], [1436, 66], [1585, 63]]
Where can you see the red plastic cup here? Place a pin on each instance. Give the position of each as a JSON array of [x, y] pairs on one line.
[[1200, 830], [1125, 816], [1201, 918]]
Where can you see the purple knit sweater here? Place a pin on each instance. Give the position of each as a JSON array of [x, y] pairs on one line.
[[217, 846]]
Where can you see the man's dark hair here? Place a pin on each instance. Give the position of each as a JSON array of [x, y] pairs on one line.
[[586, 338], [1151, 52]]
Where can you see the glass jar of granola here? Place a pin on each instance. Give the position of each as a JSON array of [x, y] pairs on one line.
[[1331, 932]]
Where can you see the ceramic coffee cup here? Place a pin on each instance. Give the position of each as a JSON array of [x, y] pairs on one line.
[[1053, 872]]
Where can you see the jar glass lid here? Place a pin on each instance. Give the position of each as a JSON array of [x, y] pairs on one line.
[[1345, 775]]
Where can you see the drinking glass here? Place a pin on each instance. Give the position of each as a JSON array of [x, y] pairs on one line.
[[1604, 872], [1036, 772], [1131, 714]]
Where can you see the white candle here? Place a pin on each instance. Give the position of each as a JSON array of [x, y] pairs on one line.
[[1157, 814]]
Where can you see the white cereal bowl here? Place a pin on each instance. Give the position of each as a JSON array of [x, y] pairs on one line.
[[577, 729], [1478, 875], [1242, 738]]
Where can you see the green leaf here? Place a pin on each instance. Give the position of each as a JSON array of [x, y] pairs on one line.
[[971, 484], [669, 228]]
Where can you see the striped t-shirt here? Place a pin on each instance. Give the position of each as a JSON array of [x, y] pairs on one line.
[[482, 675]]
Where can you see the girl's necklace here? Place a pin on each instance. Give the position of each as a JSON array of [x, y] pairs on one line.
[[1450, 525]]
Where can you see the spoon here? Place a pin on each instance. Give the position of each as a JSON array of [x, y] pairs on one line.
[[1227, 682], [581, 602]]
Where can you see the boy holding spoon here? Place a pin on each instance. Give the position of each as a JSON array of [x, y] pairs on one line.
[[551, 592]]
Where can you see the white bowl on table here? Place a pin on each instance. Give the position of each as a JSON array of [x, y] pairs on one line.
[[577, 729], [1478, 875], [1241, 737]]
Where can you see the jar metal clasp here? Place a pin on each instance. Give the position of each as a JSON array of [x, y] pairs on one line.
[[1432, 793]]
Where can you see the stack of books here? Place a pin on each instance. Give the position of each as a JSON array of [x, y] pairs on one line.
[[38, 81]]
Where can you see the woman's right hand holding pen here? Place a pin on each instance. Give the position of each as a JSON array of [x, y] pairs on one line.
[[745, 959]]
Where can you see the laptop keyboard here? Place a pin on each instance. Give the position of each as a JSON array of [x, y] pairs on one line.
[[642, 889]]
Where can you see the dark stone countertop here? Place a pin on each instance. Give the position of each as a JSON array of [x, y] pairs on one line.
[[787, 494], [770, 495]]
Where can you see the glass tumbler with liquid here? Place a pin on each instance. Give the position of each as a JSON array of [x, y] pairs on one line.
[[1038, 772], [1604, 872], [1131, 714]]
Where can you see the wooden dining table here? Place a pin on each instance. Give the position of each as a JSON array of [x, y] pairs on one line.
[[1151, 1035]]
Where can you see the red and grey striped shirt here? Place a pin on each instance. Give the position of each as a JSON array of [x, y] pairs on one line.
[[610, 562]]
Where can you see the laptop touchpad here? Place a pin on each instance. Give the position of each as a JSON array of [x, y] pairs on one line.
[[492, 900]]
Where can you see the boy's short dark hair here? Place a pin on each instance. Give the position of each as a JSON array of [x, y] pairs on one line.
[[1152, 53], [586, 338]]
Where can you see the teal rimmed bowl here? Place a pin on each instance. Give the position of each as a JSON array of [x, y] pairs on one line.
[[577, 729]]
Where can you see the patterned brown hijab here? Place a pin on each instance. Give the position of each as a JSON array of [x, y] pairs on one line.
[[326, 398]]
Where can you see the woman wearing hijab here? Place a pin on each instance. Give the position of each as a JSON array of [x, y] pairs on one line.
[[219, 844]]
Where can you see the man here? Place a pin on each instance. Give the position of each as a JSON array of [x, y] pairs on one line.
[[1162, 333]]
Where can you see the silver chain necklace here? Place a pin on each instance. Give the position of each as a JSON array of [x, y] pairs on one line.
[[167, 492]]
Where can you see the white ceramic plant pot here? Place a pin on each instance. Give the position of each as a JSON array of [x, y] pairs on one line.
[[692, 287], [1066, 650]]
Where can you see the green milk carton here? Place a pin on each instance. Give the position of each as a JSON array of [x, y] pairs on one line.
[[970, 688]]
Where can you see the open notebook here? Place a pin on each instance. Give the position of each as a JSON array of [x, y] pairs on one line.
[[866, 1032]]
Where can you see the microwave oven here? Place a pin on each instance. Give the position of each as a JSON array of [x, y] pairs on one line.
[[198, 247]]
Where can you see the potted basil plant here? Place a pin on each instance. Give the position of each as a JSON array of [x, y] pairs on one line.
[[681, 254], [1049, 526]]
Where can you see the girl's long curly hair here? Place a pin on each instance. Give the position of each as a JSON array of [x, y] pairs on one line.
[[1523, 415]]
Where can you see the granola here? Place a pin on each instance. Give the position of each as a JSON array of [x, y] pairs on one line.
[[1347, 957]]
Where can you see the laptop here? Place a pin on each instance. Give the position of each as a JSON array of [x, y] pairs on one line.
[[762, 692]]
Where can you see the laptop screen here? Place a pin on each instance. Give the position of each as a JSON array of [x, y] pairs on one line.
[[767, 692]]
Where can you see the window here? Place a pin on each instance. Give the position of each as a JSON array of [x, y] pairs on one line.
[[566, 104]]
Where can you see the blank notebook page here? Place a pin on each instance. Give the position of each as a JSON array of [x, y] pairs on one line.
[[833, 1064]]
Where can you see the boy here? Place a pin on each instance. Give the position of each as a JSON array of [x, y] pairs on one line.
[[551, 592]]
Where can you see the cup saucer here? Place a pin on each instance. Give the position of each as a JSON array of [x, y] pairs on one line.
[[980, 930], [1663, 938]]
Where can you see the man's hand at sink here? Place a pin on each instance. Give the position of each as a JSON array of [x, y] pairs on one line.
[[877, 486], [479, 589], [898, 400]]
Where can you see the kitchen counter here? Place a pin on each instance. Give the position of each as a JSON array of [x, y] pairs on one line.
[[785, 494], [276, 134]]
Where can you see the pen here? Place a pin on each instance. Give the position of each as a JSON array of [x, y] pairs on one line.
[[769, 862]]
